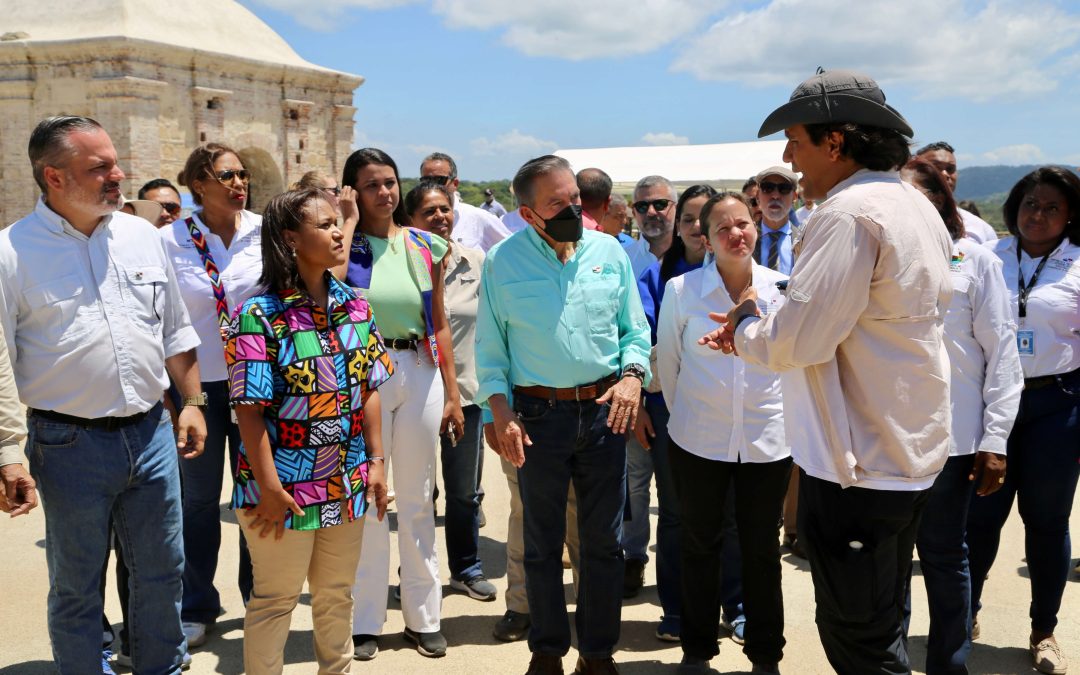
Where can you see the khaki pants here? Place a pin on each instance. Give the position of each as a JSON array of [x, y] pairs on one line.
[[327, 559], [516, 598]]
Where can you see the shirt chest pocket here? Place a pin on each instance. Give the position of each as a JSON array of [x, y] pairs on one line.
[[602, 297], [144, 294], [67, 309]]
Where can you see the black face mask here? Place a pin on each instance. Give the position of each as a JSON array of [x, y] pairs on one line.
[[565, 226]]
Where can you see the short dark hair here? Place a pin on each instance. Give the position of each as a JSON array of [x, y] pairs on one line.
[[707, 208], [932, 180], [1063, 179], [441, 157], [49, 143], [937, 145], [415, 198], [969, 206], [200, 165], [595, 187], [156, 184], [363, 157], [678, 247], [531, 170], [876, 148], [284, 212], [750, 183]]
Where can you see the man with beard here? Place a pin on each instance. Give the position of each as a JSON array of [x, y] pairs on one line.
[[90, 343], [776, 194], [654, 210], [942, 156]]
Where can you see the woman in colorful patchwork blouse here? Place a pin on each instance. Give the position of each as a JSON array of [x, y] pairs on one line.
[[305, 360], [400, 270]]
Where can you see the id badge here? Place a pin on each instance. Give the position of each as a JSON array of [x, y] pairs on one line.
[[1025, 342]]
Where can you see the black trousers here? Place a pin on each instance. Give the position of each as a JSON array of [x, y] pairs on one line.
[[859, 543], [702, 485]]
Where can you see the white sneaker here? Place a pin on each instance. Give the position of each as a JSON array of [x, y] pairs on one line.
[[195, 633], [124, 661]]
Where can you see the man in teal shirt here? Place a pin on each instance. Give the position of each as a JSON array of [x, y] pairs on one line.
[[562, 348]]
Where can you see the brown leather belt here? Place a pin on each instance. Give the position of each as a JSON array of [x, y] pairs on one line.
[[585, 392]]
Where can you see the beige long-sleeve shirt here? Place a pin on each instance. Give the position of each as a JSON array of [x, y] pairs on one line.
[[462, 297], [866, 381]]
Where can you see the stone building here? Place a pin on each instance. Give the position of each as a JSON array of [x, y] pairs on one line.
[[162, 78]]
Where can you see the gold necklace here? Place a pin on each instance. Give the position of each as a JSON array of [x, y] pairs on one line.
[[393, 238]]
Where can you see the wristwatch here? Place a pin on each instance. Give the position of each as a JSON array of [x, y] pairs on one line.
[[198, 400], [634, 370]]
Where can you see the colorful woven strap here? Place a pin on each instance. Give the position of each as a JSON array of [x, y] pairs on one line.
[[203, 247]]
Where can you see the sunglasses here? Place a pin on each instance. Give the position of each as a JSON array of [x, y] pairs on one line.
[[227, 175], [768, 187], [336, 191], [658, 205], [172, 208], [440, 180], [753, 202]]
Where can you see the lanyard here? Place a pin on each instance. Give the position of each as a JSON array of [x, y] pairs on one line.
[[1026, 288], [203, 247]]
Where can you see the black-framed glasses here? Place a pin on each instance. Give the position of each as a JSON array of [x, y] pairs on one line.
[[172, 208], [768, 187], [439, 180], [227, 175], [753, 202], [658, 205]]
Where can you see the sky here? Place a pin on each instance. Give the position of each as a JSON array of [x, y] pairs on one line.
[[496, 82]]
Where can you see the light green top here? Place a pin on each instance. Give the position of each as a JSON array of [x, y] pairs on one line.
[[394, 295]]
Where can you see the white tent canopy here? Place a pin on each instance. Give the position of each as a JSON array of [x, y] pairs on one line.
[[720, 164]]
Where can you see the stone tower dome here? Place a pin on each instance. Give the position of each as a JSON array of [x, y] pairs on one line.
[[163, 78]]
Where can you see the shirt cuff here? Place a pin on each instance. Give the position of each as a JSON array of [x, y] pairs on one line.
[[11, 454], [183, 340], [740, 330], [994, 444]]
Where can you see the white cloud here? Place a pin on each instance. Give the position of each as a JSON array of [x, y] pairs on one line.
[[664, 138], [1005, 48], [1022, 153], [513, 143], [572, 29], [326, 15]]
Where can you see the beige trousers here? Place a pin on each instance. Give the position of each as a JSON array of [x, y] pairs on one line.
[[326, 559], [516, 598]]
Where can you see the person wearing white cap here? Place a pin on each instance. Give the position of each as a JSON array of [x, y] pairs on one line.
[[776, 194], [860, 344]]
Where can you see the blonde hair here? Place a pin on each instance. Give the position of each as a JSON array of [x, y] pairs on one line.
[[314, 179]]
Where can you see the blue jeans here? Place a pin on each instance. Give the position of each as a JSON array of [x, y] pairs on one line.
[[571, 442], [1042, 472], [202, 479], [943, 559], [641, 465], [86, 476], [461, 477]]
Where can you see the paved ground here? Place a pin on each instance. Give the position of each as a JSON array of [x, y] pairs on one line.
[[24, 642]]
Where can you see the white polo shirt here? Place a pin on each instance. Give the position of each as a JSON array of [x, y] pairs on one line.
[[723, 407], [240, 266], [475, 227]]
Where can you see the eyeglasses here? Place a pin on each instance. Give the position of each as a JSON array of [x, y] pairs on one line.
[[768, 187], [753, 202], [172, 208], [658, 205], [441, 180], [336, 191], [227, 175]]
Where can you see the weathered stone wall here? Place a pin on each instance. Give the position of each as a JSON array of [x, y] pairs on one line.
[[159, 102]]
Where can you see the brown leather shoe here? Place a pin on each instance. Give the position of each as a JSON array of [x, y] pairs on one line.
[[596, 666], [545, 664]]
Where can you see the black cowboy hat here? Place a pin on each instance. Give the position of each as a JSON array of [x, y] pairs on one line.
[[836, 96]]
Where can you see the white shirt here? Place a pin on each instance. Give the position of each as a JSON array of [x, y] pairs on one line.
[[494, 208], [977, 229], [475, 227], [723, 408], [862, 334], [514, 222], [802, 214], [239, 265], [89, 321], [1052, 314], [641, 258], [980, 337]]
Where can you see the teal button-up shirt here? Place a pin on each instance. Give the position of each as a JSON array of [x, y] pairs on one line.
[[541, 322]]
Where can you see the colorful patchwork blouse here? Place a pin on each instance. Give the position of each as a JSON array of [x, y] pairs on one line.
[[312, 371]]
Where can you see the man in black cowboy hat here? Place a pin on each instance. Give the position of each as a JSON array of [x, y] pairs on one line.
[[866, 374]]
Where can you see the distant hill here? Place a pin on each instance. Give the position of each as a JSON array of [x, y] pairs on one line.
[[982, 182]]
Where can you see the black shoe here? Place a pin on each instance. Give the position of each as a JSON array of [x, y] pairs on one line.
[[693, 665], [596, 666], [544, 664], [633, 578], [514, 626], [432, 645], [365, 647]]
